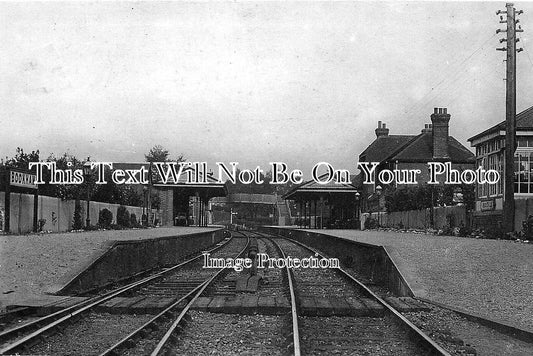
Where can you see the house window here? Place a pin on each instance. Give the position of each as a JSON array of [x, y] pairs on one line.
[[525, 141], [523, 167], [491, 161]]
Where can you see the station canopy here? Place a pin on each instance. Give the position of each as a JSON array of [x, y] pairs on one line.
[[312, 190], [210, 188]]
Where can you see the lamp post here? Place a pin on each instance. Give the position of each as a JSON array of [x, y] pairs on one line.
[[87, 173], [379, 189], [145, 208], [231, 216], [356, 212]]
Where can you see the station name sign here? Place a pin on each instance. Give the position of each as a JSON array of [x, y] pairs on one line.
[[24, 180], [322, 173]]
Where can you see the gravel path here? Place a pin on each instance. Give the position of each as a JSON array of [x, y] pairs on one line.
[[489, 277], [29, 264]]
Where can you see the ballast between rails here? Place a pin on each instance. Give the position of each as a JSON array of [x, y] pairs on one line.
[[61, 316], [294, 310], [181, 319], [432, 347]]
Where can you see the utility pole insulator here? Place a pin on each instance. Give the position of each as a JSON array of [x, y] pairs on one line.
[[501, 49], [500, 30], [503, 40], [519, 50], [500, 12]]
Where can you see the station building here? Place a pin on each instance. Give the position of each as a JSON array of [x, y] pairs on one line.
[[490, 154], [331, 205], [400, 152], [182, 202]]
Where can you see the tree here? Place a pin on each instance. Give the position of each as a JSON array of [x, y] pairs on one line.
[[159, 154], [21, 159]]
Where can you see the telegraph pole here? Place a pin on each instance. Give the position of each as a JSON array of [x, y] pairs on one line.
[[510, 112]]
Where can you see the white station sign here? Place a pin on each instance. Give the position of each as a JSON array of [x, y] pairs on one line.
[[23, 180]]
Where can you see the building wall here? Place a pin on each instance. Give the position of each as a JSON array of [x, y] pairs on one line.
[[451, 216], [490, 219], [423, 177], [167, 207]]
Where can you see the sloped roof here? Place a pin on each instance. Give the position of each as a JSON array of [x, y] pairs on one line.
[[382, 147], [312, 186], [420, 149], [357, 180], [524, 121]]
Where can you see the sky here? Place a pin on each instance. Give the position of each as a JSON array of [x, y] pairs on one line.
[[248, 82]]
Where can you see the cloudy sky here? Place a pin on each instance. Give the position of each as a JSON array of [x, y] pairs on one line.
[[250, 82]]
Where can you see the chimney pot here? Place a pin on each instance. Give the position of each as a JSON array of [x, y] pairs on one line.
[[382, 130], [435, 110], [427, 128]]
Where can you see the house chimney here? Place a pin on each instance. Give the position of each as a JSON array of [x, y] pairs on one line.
[[427, 128], [381, 130], [440, 119]]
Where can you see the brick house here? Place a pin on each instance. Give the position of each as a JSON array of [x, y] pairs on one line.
[[400, 152]]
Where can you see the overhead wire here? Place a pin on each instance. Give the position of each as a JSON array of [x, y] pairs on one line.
[[448, 81]]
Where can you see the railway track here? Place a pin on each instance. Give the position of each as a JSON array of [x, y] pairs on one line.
[[299, 311], [244, 329], [82, 328], [317, 293]]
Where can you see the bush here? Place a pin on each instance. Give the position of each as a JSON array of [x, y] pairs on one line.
[[133, 220], [371, 223], [495, 233], [105, 218], [123, 216], [78, 220], [464, 231]]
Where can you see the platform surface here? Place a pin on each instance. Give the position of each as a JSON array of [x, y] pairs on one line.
[[29, 264], [489, 277]]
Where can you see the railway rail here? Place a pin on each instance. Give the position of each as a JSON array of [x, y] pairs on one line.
[[24, 337], [300, 311], [322, 283]]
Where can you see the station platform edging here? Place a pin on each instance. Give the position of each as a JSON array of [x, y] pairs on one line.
[[371, 261], [119, 260]]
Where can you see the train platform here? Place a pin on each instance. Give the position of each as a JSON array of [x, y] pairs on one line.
[[493, 278], [31, 264]]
